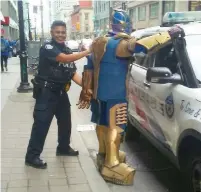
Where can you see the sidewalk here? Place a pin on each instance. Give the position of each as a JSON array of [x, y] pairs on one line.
[[9, 79], [64, 174]]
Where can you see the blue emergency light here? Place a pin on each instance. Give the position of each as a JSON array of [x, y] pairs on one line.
[[181, 17]]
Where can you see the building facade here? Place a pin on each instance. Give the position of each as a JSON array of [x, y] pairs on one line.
[[101, 17], [69, 26], [120, 4], [10, 27], [150, 13], [82, 25], [62, 8]]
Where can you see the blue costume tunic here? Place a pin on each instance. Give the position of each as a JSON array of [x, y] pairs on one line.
[[111, 83]]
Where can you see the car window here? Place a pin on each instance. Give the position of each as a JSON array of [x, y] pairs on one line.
[[150, 60], [165, 57], [139, 58]]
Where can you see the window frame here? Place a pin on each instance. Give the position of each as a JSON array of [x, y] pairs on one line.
[[157, 13], [165, 3], [144, 18], [86, 18]]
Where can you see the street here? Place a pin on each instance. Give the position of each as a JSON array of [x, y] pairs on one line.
[[154, 172]]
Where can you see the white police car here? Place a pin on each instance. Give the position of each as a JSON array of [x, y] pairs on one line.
[[164, 97]]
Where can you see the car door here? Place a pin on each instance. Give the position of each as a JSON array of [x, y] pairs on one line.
[[162, 112], [138, 107]]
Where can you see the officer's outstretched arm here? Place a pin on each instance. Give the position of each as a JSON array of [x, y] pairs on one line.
[[71, 57], [77, 79]]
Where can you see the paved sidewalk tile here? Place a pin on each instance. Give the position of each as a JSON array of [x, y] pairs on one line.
[[22, 189], [18, 183], [79, 188], [59, 189], [63, 174]]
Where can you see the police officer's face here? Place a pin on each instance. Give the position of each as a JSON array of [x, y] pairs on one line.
[[59, 34]]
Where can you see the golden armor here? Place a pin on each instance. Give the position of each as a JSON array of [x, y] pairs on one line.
[[111, 161]]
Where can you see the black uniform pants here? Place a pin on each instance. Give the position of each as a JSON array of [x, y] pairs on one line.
[[48, 104]]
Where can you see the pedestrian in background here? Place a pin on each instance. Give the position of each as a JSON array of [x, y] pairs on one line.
[[55, 71], [5, 48]]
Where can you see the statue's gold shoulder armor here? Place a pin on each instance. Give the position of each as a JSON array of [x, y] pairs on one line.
[[99, 45], [122, 36], [98, 49]]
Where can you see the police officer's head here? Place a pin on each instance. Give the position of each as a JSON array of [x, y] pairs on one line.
[[58, 31]]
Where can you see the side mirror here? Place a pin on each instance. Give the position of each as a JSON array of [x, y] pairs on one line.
[[162, 75]]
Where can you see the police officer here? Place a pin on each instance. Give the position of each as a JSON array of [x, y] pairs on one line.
[[55, 71]]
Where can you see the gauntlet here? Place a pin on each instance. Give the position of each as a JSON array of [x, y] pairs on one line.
[[86, 93]]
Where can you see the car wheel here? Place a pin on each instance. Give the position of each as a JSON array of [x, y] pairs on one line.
[[132, 133], [192, 173], [196, 175]]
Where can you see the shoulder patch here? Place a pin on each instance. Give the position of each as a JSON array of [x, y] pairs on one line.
[[48, 46]]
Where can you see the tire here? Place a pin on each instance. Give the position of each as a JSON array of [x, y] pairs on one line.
[[192, 172], [132, 133]]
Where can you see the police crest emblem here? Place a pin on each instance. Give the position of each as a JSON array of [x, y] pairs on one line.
[[169, 106], [48, 46]]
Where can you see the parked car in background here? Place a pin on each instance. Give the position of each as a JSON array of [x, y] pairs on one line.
[[73, 45], [85, 43]]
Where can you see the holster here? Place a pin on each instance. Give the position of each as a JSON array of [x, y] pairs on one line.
[[36, 88]]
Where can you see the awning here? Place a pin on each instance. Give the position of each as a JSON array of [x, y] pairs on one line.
[[2, 17]]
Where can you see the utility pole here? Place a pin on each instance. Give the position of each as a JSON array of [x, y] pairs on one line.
[[24, 84], [42, 29], [30, 34]]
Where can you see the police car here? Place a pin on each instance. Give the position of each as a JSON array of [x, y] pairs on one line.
[[164, 97], [169, 20]]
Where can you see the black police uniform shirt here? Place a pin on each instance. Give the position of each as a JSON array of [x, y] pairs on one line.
[[51, 70]]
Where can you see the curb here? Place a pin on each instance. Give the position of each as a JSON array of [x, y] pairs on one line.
[[96, 182]]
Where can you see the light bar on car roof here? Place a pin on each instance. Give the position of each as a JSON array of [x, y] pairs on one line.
[[182, 17]]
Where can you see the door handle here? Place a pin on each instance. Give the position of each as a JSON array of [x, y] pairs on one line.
[[147, 84]]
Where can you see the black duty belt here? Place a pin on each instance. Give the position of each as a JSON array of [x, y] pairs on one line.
[[46, 84]]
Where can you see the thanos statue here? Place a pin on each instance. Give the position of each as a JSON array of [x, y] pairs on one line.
[[104, 87]]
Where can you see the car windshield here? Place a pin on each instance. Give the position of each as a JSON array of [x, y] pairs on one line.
[[193, 45]]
